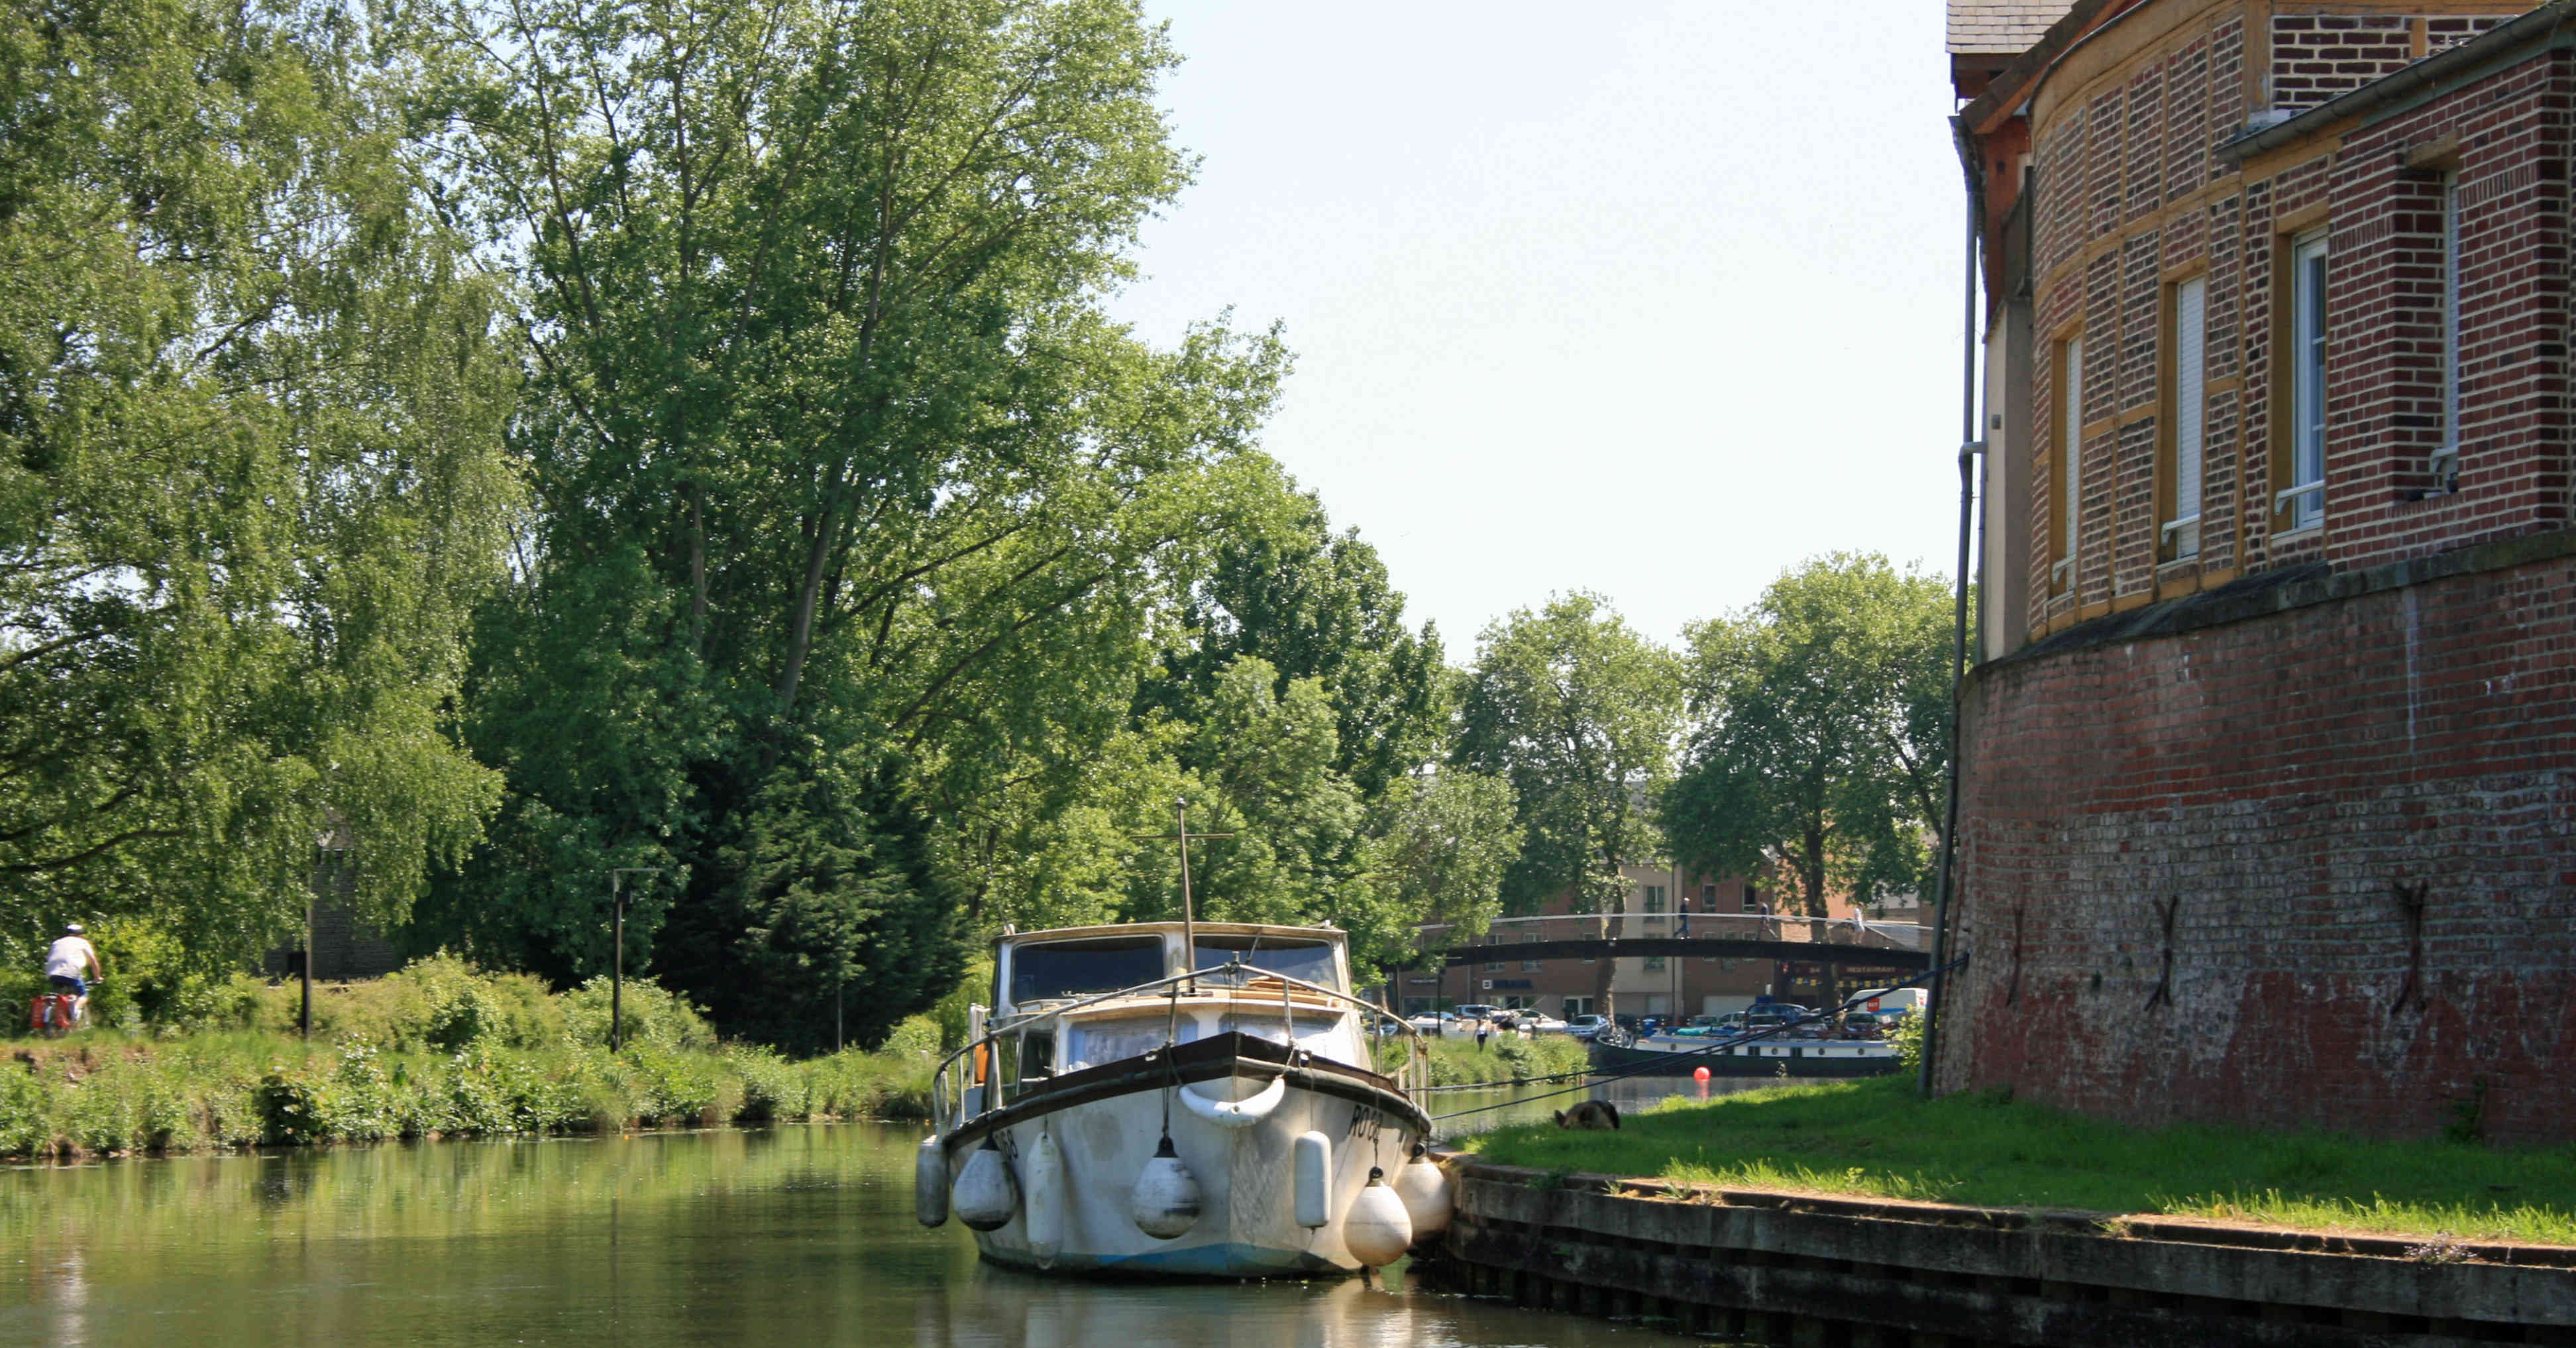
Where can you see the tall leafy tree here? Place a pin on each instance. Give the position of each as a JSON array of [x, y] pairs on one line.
[[1580, 713], [853, 501], [1316, 604], [1438, 847], [251, 472], [1818, 742]]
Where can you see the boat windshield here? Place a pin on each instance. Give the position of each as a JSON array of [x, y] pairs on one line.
[[1308, 960], [1080, 968]]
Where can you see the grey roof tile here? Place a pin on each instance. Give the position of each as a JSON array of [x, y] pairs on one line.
[[2001, 27]]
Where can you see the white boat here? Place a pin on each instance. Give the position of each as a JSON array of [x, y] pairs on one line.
[[1178, 1098]]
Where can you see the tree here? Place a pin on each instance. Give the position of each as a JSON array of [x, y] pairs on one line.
[[1316, 604], [252, 478], [1818, 722], [1437, 851], [853, 503], [1579, 712]]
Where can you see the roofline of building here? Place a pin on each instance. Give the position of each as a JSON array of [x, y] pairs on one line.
[[2545, 25], [2013, 85]]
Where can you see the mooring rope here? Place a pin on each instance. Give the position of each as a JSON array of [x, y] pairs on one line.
[[1701, 1051]]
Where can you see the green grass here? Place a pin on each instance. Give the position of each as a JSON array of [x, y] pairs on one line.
[[1875, 1138]]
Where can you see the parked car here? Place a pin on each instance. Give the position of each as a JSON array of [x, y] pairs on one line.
[[1430, 1022], [1539, 1022], [1583, 1027], [1478, 1011]]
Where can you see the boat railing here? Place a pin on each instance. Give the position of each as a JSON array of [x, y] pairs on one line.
[[979, 1063]]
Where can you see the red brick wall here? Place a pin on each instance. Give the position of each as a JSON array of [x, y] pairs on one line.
[[2275, 768], [2277, 780]]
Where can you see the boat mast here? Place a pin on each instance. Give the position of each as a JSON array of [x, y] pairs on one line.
[[1189, 919]]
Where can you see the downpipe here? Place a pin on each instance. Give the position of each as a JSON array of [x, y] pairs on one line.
[[1971, 445]]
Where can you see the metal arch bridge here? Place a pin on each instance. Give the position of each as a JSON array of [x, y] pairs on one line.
[[1811, 940]]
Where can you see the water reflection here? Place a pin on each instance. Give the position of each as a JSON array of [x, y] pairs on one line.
[[791, 1236]]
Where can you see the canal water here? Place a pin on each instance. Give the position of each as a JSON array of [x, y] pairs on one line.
[[771, 1237]]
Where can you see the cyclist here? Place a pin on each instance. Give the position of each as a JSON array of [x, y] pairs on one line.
[[66, 960]]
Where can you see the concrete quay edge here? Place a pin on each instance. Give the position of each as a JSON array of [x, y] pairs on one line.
[[2002, 1275]]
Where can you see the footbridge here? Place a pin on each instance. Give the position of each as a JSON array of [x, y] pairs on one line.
[[1812, 940]]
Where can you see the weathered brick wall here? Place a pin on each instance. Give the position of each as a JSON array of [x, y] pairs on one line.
[[2281, 786], [2191, 859]]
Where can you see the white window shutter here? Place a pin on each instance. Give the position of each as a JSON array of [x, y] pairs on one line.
[[2191, 397]]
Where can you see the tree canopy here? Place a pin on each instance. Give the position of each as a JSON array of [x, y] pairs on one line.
[[1818, 731], [251, 475]]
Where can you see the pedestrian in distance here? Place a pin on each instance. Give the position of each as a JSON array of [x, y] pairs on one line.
[[1483, 1028], [1682, 927]]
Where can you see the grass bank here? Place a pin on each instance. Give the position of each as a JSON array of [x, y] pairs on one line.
[[432, 1051], [1456, 1061], [1875, 1138]]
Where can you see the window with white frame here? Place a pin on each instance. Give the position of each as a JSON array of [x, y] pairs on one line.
[[2191, 399], [2070, 455], [2446, 456], [2303, 499]]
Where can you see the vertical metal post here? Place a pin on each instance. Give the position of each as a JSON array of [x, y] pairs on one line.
[[1189, 918], [304, 1018], [836, 1015], [617, 966]]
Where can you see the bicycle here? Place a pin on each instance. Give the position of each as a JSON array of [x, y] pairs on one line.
[[55, 1014]]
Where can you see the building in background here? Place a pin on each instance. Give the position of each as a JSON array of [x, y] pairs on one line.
[[2269, 760]]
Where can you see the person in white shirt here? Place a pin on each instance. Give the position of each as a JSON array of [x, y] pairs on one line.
[[66, 960]]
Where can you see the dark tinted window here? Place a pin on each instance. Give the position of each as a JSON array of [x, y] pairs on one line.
[[1080, 968], [1308, 960]]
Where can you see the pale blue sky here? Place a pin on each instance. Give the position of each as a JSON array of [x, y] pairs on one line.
[[1646, 299]]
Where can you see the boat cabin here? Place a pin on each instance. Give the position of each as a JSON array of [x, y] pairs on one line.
[[1041, 981]]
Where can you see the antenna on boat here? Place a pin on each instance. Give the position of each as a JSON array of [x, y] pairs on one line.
[[1189, 919]]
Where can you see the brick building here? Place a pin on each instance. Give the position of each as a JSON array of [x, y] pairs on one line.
[[2269, 760]]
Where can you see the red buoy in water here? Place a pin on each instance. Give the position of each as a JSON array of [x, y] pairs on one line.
[[1699, 1074]]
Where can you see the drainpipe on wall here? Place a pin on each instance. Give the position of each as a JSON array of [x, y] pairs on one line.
[[1970, 446]]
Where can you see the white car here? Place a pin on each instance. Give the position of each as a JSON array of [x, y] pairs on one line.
[[1538, 1023]]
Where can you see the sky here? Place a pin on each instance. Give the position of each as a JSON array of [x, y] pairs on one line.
[[1648, 300]]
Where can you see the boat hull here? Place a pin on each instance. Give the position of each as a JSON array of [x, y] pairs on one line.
[[1107, 1128], [1823, 1060]]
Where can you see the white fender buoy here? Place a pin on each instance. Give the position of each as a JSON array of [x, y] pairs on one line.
[[930, 1182], [1238, 1113], [1043, 1179], [982, 1197], [1424, 1187], [1376, 1229], [1313, 1153], [1167, 1195]]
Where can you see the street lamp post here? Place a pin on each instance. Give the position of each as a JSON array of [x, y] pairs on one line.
[[617, 968]]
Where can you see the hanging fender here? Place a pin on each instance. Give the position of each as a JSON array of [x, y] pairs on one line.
[[1237, 1113]]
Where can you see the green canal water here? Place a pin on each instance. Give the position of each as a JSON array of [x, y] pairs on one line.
[[787, 1236]]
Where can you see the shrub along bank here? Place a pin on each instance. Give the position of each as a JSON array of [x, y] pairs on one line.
[[1875, 1137], [434, 1050]]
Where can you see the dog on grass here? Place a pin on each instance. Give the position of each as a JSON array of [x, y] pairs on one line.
[[1593, 1115]]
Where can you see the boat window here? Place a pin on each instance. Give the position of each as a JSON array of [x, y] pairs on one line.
[[1081, 968], [1308, 960]]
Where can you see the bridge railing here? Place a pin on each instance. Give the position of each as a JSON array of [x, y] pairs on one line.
[[1850, 931]]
